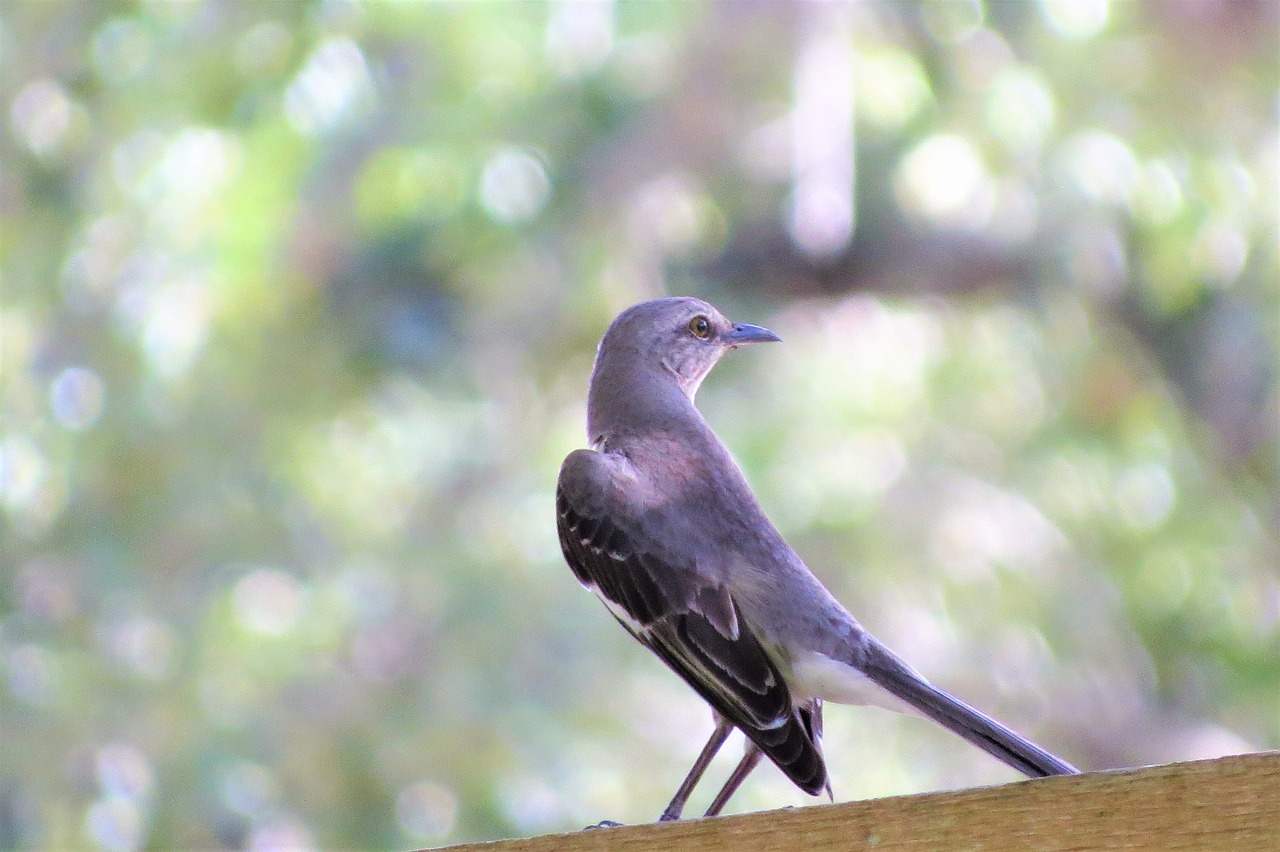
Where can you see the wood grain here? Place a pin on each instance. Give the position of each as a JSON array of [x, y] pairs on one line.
[[1232, 803]]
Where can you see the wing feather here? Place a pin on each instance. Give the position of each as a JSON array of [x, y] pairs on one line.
[[690, 621]]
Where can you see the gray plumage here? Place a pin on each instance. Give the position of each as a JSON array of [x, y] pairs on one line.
[[658, 520]]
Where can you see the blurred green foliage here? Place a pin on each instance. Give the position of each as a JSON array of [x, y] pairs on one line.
[[298, 306]]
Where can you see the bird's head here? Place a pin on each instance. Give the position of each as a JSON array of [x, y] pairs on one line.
[[680, 336]]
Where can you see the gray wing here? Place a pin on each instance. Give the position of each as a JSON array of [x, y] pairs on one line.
[[688, 620]]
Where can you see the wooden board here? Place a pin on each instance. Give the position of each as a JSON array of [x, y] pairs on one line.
[[1232, 803]]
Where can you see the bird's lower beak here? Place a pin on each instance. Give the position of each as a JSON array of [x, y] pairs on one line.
[[745, 333]]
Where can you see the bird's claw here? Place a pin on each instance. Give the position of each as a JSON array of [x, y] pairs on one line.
[[604, 823]]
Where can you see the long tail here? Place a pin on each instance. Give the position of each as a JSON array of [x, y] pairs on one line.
[[894, 675]]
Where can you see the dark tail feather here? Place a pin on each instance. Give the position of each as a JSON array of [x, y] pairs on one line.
[[794, 749], [975, 726]]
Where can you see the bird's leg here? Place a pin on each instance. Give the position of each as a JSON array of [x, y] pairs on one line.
[[718, 736], [749, 762]]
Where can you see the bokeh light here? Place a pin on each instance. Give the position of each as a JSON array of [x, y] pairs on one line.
[[268, 601], [1076, 19], [426, 811], [77, 397], [332, 87], [944, 182], [41, 116], [514, 185]]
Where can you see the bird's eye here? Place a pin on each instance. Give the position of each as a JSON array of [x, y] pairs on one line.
[[700, 327]]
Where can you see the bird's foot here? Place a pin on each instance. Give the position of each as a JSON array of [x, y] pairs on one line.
[[604, 823]]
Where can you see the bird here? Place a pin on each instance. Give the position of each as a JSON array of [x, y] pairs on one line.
[[658, 520]]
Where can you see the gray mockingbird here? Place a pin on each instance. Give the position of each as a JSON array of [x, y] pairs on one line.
[[658, 520]]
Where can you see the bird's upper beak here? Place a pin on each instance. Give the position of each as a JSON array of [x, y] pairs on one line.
[[745, 333]]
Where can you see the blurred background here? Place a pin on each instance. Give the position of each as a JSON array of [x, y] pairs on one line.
[[299, 303]]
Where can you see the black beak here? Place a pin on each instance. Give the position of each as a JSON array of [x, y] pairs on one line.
[[745, 333]]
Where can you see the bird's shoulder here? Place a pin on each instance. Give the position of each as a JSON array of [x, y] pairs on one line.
[[615, 532], [595, 481], [624, 485]]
